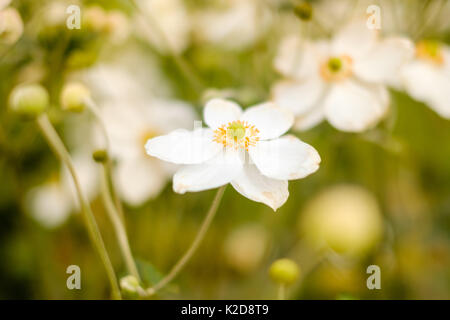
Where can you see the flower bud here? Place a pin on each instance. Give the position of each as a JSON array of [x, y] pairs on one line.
[[29, 100], [73, 97], [284, 271], [304, 11], [100, 155], [129, 286], [11, 26]]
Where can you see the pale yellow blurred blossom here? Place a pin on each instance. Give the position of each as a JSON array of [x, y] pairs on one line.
[[345, 218], [11, 24], [236, 26], [245, 247], [343, 80], [166, 24]]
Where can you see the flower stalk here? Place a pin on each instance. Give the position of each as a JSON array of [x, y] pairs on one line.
[[119, 228], [61, 152], [194, 246]]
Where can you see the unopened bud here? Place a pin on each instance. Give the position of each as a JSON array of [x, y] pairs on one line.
[[74, 96], [29, 100], [129, 286], [304, 11], [284, 271], [100, 155]]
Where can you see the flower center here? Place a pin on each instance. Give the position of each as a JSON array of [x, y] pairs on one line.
[[336, 68], [430, 50], [147, 135], [237, 134]]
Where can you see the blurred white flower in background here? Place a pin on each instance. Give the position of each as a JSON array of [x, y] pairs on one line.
[[345, 218], [427, 77], [218, 155], [132, 114], [51, 203], [11, 24], [236, 25], [129, 126], [343, 80], [166, 24]]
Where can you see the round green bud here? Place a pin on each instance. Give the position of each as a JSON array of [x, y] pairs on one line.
[[284, 271], [129, 286], [73, 97], [29, 100], [100, 155], [304, 11]]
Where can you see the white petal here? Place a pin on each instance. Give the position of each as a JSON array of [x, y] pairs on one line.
[[212, 174], [384, 61], [139, 180], [355, 107], [311, 118], [219, 111], [354, 39], [184, 147], [49, 204], [286, 158], [300, 59], [430, 84], [271, 120], [253, 185], [298, 96]]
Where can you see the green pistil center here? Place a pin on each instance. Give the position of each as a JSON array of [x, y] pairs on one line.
[[236, 131], [334, 64]]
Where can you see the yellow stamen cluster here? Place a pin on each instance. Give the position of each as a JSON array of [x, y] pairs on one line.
[[336, 68], [430, 51], [237, 134]]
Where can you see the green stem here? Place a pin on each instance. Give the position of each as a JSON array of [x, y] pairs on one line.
[[95, 112], [119, 228], [194, 246], [282, 292], [61, 152]]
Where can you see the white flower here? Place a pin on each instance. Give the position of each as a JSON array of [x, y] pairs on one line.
[[52, 203], [240, 25], [170, 24], [342, 80], [427, 77], [217, 155], [132, 115], [138, 177]]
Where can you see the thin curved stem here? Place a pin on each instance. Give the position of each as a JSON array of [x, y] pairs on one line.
[[119, 228], [95, 112], [61, 152], [194, 246]]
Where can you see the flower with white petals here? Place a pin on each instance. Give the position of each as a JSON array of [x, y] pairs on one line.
[[343, 80], [138, 177], [218, 155], [132, 115], [427, 77]]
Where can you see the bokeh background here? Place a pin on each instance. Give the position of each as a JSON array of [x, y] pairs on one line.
[[380, 197]]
